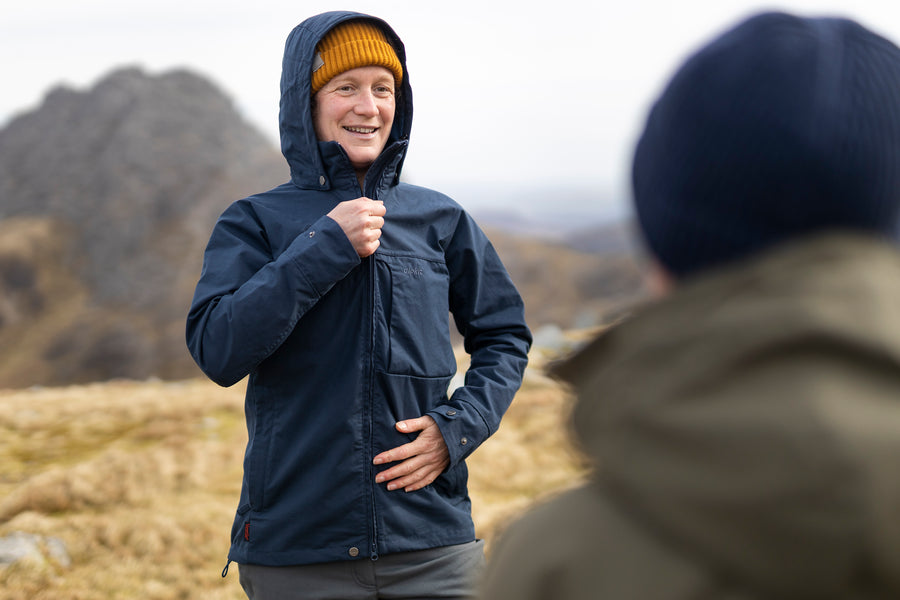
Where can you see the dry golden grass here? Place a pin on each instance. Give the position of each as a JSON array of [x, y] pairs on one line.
[[140, 481]]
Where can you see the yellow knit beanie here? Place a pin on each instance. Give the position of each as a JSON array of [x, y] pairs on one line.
[[350, 45]]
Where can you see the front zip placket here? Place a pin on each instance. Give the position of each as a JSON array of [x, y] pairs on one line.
[[370, 407], [371, 191], [370, 393]]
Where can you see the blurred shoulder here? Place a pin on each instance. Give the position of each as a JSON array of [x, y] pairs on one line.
[[580, 545]]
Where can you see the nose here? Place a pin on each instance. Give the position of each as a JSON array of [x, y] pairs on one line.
[[366, 104]]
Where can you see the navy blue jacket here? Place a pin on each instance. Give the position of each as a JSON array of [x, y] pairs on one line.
[[338, 348]]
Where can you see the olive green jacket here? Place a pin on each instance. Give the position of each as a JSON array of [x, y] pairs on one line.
[[746, 433]]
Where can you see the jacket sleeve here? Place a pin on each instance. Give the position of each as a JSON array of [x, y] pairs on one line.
[[489, 313], [247, 301]]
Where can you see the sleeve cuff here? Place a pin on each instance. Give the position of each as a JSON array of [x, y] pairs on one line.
[[323, 254], [463, 430]]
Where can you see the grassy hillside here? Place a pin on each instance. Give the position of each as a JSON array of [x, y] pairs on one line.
[[140, 482]]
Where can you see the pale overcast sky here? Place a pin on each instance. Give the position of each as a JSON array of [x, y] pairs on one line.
[[506, 92]]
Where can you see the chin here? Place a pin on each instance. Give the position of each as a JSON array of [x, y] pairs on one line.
[[359, 162]]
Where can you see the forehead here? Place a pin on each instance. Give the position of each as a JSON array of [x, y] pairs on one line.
[[369, 73]]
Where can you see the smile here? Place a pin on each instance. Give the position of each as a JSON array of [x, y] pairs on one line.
[[361, 129]]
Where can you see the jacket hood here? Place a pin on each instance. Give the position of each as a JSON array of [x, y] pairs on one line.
[[752, 418], [311, 162]]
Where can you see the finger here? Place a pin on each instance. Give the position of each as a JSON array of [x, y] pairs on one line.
[[369, 249], [399, 453], [417, 424], [418, 485], [404, 469], [419, 478], [427, 462], [416, 481], [413, 473], [366, 245]]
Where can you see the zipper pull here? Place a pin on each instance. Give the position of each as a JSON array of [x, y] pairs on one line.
[[225, 570]]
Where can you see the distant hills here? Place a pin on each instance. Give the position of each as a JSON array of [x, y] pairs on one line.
[[107, 199]]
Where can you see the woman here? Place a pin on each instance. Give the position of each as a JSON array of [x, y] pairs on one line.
[[332, 293]]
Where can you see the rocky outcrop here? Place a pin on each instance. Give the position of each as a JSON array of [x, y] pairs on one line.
[[130, 176]]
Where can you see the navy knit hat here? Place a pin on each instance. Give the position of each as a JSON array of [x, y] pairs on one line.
[[779, 128]]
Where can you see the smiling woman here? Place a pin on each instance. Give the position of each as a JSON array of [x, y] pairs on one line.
[[356, 110], [332, 293], [355, 74]]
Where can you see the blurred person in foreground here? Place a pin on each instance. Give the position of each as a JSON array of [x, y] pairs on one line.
[[333, 293], [745, 426]]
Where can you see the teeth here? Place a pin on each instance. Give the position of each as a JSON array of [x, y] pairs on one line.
[[361, 129]]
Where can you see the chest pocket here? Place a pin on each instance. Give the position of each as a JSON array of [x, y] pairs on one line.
[[413, 310]]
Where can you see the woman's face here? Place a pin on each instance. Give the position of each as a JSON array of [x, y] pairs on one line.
[[356, 110]]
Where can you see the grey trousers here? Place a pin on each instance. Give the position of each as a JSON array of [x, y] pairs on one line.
[[449, 572]]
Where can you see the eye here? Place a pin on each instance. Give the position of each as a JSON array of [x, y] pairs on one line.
[[383, 90]]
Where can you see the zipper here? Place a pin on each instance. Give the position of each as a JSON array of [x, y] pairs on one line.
[[370, 395], [371, 400], [370, 190]]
